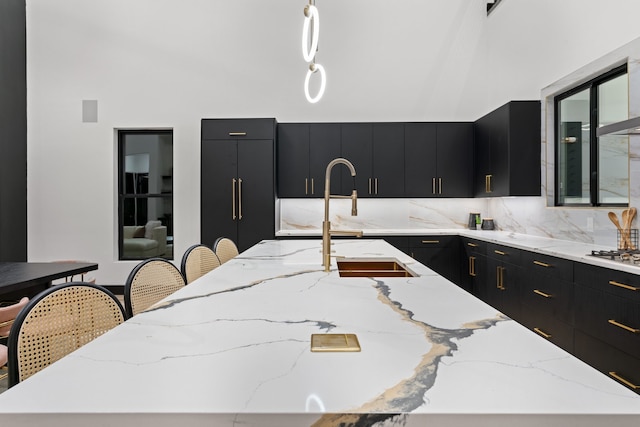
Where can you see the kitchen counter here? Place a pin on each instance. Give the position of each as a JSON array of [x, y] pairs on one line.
[[233, 348], [574, 251]]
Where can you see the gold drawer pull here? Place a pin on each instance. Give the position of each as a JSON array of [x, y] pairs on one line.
[[542, 333], [431, 241], [624, 381], [541, 264], [499, 252], [625, 327], [622, 285], [472, 266], [473, 245], [237, 134], [542, 294]]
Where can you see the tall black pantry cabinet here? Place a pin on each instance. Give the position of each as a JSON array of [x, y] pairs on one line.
[[237, 180]]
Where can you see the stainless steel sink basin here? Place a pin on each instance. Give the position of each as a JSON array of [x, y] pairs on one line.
[[372, 267]]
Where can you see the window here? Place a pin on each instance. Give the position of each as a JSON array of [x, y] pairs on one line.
[[592, 171], [145, 194]]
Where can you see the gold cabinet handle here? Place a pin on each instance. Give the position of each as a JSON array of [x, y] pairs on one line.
[[430, 241], [542, 264], [487, 183], [541, 332], [306, 186], [500, 278], [312, 190], [472, 266], [473, 245], [239, 198], [623, 326], [233, 199], [369, 185], [542, 294], [624, 381], [237, 134], [376, 186], [433, 186], [439, 185], [499, 252], [622, 285]]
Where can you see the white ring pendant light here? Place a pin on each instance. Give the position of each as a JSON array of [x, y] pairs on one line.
[[312, 27], [311, 19], [323, 82]]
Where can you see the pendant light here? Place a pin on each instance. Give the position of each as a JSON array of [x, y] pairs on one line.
[[311, 27]]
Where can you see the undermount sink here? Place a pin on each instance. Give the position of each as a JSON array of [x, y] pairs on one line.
[[372, 267]]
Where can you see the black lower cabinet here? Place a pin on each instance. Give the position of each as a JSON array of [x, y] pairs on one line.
[[473, 273], [617, 364], [442, 254], [607, 322], [548, 298], [503, 287]]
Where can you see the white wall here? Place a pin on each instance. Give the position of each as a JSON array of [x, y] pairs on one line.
[[169, 63]]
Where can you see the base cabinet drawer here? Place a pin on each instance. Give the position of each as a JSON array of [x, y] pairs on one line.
[[547, 296], [614, 320], [614, 363], [549, 328]]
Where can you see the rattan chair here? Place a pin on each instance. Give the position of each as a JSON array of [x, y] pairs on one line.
[[225, 248], [57, 322], [149, 282], [197, 261]]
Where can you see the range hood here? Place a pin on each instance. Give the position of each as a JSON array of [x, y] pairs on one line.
[[625, 127]]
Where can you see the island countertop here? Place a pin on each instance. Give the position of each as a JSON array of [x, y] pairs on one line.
[[233, 348]]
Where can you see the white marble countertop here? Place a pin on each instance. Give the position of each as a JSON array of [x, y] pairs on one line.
[[575, 251], [233, 349]]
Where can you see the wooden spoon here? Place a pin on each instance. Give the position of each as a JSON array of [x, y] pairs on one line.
[[614, 219], [632, 215], [624, 237]]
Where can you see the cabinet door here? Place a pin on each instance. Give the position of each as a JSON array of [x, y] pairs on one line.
[[499, 149], [482, 131], [388, 160], [219, 167], [503, 287], [357, 147], [324, 146], [442, 254], [455, 160], [293, 160], [420, 159], [256, 205]]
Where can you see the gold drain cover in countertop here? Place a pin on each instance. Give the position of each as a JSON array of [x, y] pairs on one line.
[[334, 342]]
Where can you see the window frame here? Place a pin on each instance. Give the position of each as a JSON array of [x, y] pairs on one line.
[[121, 185], [592, 85]]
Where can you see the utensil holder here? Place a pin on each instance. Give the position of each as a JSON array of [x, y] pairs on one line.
[[628, 239]]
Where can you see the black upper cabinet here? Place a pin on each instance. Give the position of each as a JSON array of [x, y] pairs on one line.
[[237, 181], [357, 147], [508, 151], [293, 151], [324, 146], [439, 159], [377, 153], [304, 151]]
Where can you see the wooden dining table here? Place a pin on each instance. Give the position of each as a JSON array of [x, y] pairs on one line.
[[18, 279]]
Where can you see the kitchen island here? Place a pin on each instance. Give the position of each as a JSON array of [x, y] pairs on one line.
[[233, 348]]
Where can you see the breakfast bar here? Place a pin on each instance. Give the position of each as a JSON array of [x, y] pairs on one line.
[[233, 348]]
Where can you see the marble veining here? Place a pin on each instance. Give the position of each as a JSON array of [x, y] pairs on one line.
[[233, 348]]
